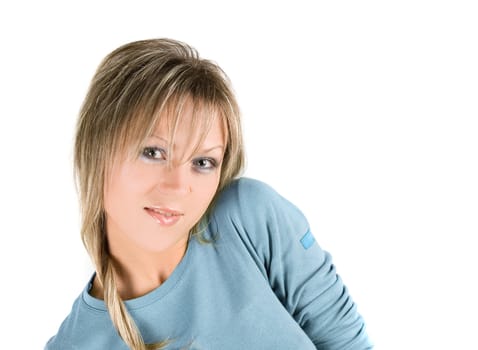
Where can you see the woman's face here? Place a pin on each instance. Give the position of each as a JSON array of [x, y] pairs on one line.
[[152, 206]]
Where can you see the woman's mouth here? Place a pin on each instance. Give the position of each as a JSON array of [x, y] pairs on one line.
[[164, 216]]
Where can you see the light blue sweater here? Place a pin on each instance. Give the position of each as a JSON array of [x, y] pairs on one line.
[[263, 284]]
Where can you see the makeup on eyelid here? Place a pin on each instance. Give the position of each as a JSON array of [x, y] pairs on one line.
[[160, 155]]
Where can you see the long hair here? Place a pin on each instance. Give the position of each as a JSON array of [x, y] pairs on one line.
[[133, 86]]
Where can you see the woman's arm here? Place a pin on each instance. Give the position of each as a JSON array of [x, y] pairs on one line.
[[300, 273]]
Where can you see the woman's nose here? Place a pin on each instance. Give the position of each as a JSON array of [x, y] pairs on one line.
[[175, 180]]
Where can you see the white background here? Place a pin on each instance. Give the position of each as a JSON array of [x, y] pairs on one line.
[[363, 113]]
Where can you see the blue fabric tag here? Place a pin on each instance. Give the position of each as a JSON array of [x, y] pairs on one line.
[[307, 240]]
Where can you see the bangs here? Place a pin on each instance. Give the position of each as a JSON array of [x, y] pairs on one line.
[[143, 123]]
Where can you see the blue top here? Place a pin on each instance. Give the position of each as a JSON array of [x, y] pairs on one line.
[[264, 283]]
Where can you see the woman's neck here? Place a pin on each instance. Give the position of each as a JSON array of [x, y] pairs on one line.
[[139, 272]]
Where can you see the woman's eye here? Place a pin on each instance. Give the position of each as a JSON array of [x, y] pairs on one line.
[[153, 153], [204, 164]]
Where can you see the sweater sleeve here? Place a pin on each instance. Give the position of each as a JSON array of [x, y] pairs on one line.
[[299, 272]]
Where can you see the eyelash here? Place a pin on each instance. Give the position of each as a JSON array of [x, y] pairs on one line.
[[212, 165], [146, 154]]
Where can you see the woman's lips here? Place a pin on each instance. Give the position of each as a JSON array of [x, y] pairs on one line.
[[164, 216]]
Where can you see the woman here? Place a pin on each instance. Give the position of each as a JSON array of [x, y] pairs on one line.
[[187, 256]]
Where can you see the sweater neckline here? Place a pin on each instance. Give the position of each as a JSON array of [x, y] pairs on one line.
[[155, 295]]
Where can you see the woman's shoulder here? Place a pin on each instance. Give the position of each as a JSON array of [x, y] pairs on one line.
[[246, 199], [247, 189], [85, 319]]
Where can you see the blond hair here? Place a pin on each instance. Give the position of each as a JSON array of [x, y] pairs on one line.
[[132, 88]]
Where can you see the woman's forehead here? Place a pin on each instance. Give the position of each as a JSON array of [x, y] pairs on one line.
[[192, 117], [191, 130]]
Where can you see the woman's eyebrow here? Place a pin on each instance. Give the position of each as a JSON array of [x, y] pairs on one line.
[[206, 150], [160, 138]]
